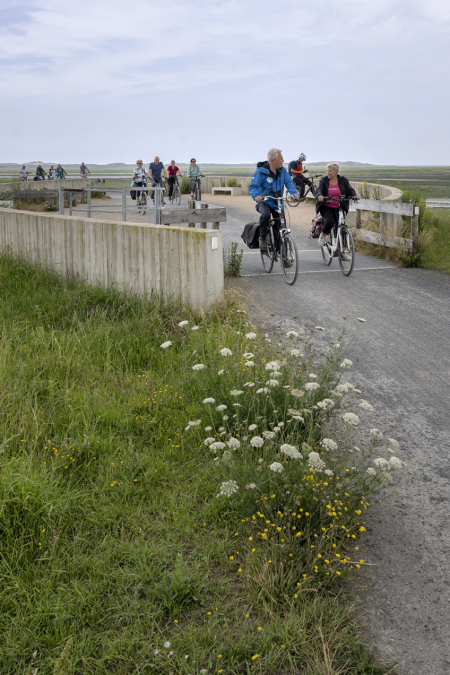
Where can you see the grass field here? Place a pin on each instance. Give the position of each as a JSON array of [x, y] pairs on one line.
[[117, 555]]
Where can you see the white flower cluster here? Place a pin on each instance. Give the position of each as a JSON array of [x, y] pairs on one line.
[[251, 336], [209, 440], [247, 355], [195, 423], [376, 433], [290, 451], [233, 443], [250, 364], [272, 383], [311, 386], [217, 445], [351, 418], [365, 405], [263, 390], [273, 365], [329, 444], [230, 487], [296, 352], [292, 334], [257, 442], [199, 366], [220, 408], [183, 323], [236, 392], [226, 352], [166, 344], [268, 435], [209, 400], [346, 363], [276, 467], [315, 463], [326, 404]]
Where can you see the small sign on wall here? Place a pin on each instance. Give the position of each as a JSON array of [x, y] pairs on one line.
[[214, 243]]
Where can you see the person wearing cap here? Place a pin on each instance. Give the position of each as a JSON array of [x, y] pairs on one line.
[[194, 173]]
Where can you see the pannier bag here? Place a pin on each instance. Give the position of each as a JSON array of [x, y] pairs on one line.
[[250, 235], [132, 192], [316, 227]]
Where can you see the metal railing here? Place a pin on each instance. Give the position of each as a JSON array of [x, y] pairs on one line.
[[123, 208]]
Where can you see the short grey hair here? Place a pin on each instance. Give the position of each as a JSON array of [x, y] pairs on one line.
[[272, 154], [334, 165]]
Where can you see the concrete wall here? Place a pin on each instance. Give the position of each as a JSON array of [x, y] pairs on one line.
[[176, 262], [67, 184]]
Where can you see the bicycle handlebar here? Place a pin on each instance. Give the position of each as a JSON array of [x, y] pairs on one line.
[[341, 199]]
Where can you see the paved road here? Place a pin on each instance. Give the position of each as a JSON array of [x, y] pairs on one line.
[[402, 364]]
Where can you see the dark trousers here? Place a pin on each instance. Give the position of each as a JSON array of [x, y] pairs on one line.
[[300, 183], [330, 218], [265, 210], [160, 183], [171, 183]]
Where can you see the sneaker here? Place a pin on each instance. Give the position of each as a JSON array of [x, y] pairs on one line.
[[322, 239], [263, 243]]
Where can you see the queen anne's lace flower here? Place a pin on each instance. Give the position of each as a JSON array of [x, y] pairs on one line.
[[199, 366], [272, 383], [296, 352], [195, 423], [346, 363], [250, 364], [217, 445], [298, 418], [226, 352], [381, 462], [313, 376], [329, 444], [167, 645], [249, 384], [252, 427], [298, 393], [272, 365], [209, 440], [263, 390], [326, 404], [362, 320], [209, 400], [328, 472], [310, 386], [365, 405], [250, 336], [183, 323], [290, 451], [236, 392], [221, 372], [220, 408], [395, 463], [319, 328], [351, 418], [314, 462], [292, 334], [277, 467], [257, 441], [269, 435], [376, 433], [371, 471], [393, 442], [247, 355], [195, 328], [166, 344], [234, 443], [227, 457], [251, 486], [230, 487]]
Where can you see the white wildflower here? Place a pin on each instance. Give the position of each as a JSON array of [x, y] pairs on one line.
[[314, 462], [209, 440], [252, 427], [220, 408], [250, 364], [269, 434], [351, 418], [236, 392], [209, 400], [292, 334], [328, 472], [166, 344], [365, 405], [227, 457], [297, 393], [263, 390], [313, 376], [225, 418], [393, 442], [257, 442], [381, 462], [218, 445], [319, 328], [156, 652], [195, 328], [296, 352], [343, 388], [252, 486], [310, 386], [272, 383], [298, 418], [183, 323], [337, 345], [230, 487], [277, 467], [226, 352], [281, 424], [395, 463], [277, 429], [250, 336], [249, 384], [371, 471], [276, 373], [247, 355], [290, 451], [241, 311], [329, 444], [196, 423], [221, 372], [346, 363], [362, 320], [376, 433], [326, 403], [208, 428], [167, 645], [272, 365], [198, 366], [234, 443]]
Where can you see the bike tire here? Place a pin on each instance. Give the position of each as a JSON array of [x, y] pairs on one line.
[[289, 259], [177, 195], [144, 203], [290, 201], [268, 256], [327, 256], [347, 255]]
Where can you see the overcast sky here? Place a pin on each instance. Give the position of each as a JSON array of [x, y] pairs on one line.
[[224, 80]]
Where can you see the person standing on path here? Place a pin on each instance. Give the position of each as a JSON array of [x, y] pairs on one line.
[[83, 170], [173, 172], [157, 175], [332, 185], [270, 178]]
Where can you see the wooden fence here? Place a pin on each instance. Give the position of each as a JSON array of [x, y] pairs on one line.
[[383, 208], [207, 213]]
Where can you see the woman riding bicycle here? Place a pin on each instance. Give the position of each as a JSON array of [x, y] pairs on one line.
[[333, 185], [140, 176], [173, 172], [194, 173]]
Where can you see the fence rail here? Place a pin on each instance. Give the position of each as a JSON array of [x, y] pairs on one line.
[[381, 238]]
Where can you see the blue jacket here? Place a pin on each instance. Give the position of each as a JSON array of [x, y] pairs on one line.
[[263, 183]]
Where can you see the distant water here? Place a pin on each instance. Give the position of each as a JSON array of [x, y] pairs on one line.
[[438, 203]]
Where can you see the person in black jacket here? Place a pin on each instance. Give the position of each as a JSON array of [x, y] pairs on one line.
[[332, 185]]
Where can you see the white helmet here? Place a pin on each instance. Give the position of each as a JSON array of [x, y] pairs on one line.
[[302, 157]]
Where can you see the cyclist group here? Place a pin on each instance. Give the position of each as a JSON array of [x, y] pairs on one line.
[[270, 179], [157, 172], [53, 174]]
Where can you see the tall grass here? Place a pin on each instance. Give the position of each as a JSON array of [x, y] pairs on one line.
[[116, 553]]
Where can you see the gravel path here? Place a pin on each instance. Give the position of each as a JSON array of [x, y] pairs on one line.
[[402, 364]]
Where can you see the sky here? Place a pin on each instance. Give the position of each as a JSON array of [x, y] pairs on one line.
[[225, 80]]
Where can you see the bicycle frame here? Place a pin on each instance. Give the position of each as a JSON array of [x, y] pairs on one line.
[[283, 229]]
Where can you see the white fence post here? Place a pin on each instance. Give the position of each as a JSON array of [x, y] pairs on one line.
[[415, 226], [61, 200]]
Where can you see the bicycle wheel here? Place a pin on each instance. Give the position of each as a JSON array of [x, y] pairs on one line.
[[290, 201], [289, 259], [176, 195], [143, 203], [327, 256], [347, 254], [268, 256], [199, 192]]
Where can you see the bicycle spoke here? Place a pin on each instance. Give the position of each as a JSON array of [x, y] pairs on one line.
[[346, 252], [289, 259]]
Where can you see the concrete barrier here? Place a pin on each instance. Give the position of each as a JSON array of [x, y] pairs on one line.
[[67, 184], [175, 262]]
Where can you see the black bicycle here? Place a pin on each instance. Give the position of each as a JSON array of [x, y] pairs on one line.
[[196, 186], [341, 244], [280, 245], [292, 202], [141, 198], [175, 197]]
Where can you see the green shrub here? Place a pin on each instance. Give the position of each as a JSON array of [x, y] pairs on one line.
[[233, 261], [185, 187]]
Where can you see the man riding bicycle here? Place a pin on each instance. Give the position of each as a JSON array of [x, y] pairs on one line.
[[157, 175], [270, 178], [296, 170]]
